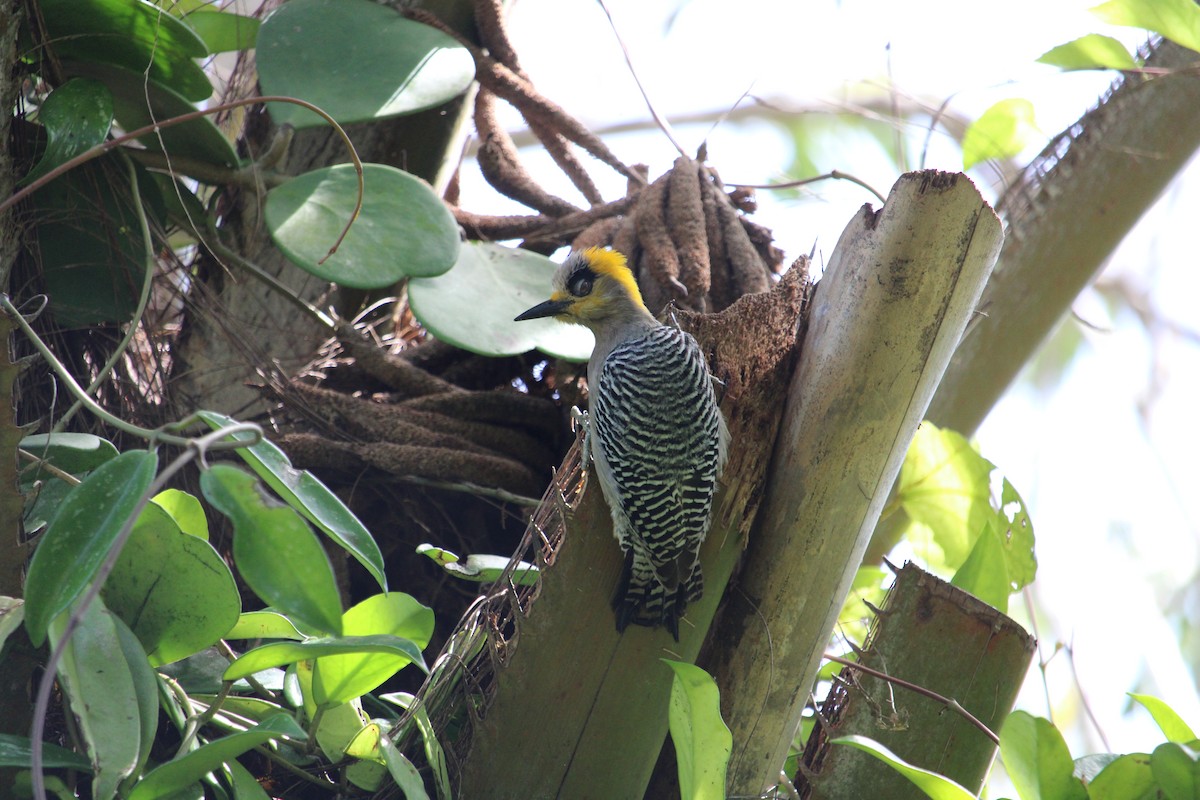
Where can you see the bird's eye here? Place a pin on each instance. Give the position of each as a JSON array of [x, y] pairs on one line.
[[580, 285]]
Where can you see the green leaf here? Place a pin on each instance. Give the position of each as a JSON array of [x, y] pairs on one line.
[[138, 103], [180, 773], [702, 741], [339, 726], [1003, 131], [81, 534], [185, 509], [435, 756], [1093, 51], [243, 783], [404, 229], [341, 678], [1129, 777], [1176, 769], [17, 751], [1170, 723], [279, 653], [93, 257], [12, 614], [1037, 759], [70, 452], [933, 785], [304, 47], [276, 552], [473, 305], [402, 771], [305, 493], [145, 689], [945, 489], [98, 682], [984, 574], [130, 34], [263, 625], [172, 589], [76, 117], [1177, 20], [222, 31]]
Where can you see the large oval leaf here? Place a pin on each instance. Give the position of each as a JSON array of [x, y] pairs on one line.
[[304, 492], [473, 305], [277, 554], [279, 653], [70, 452], [172, 589], [341, 678], [404, 228], [315, 49], [131, 34], [701, 738], [81, 534]]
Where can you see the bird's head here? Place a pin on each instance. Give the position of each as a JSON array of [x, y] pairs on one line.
[[593, 287]]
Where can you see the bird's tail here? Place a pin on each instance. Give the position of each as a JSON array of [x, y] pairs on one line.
[[643, 598]]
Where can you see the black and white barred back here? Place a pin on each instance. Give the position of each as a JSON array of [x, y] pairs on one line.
[[659, 445]]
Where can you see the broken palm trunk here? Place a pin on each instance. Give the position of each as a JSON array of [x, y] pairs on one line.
[[935, 636]]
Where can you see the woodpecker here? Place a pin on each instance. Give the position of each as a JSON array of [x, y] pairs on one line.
[[655, 435]]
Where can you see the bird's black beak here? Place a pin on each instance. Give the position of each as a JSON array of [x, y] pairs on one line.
[[549, 308]]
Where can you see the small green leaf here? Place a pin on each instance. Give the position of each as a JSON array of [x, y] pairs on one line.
[[70, 452], [138, 103], [1129, 777], [481, 568], [1037, 759], [984, 574], [440, 556], [1176, 769], [1003, 131], [302, 52], [180, 773], [17, 751], [435, 755], [933, 785], [279, 653], [338, 727], [473, 305], [12, 614], [76, 117], [1093, 51], [1177, 20], [1170, 723], [404, 229], [222, 31], [81, 534], [263, 625], [702, 741], [185, 509], [276, 552], [402, 771], [243, 783], [341, 678], [97, 680], [145, 688], [305, 493], [174, 590]]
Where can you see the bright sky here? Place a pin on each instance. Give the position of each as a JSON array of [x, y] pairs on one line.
[[1117, 522]]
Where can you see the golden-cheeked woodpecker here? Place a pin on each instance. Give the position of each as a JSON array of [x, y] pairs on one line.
[[654, 434]]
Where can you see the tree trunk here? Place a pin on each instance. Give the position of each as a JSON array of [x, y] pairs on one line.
[[899, 290]]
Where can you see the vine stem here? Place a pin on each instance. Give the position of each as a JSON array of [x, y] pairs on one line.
[[949, 702]]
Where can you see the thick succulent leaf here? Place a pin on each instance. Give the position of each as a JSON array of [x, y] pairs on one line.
[[404, 229], [314, 50], [473, 305]]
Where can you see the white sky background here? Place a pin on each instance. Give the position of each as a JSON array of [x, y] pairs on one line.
[[1111, 493]]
